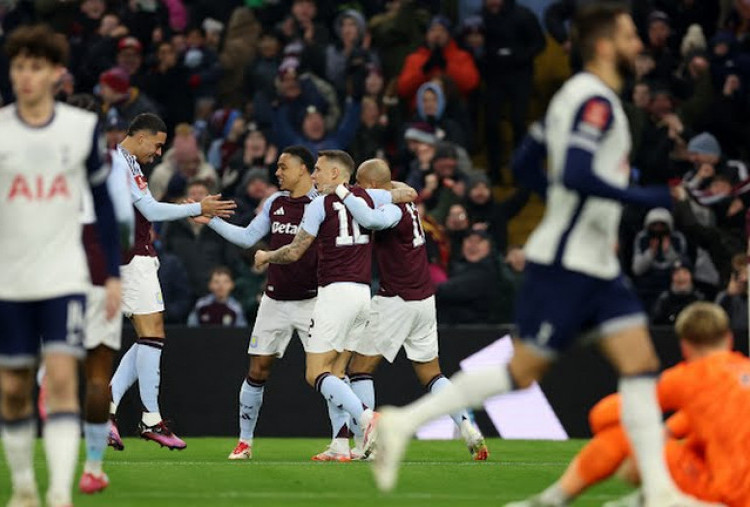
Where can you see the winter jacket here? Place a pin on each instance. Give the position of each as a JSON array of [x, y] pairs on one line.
[[459, 66], [513, 38]]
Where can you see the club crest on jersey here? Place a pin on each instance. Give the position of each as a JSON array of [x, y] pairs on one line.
[[596, 114], [141, 182], [38, 188]]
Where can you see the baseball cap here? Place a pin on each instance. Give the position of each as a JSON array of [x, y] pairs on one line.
[[130, 42]]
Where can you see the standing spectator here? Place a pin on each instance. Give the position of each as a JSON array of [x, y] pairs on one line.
[[348, 53], [657, 247], [200, 248], [431, 109], [119, 99], [370, 140], [182, 164], [468, 295], [309, 36], [253, 189], [446, 185], [457, 226], [130, 59], [440, 55], [491, 216], [260, 74], [657, 44], [255, 153], [218, 308], [397, 32], [229, 139], [734, 298], [680, 294], [99, 55], [165, 83], [513, 38], [202, 64], [314, 135]]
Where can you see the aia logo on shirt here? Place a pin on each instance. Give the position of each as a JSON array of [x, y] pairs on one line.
[[38, 188], [596, 114], [141, 181]]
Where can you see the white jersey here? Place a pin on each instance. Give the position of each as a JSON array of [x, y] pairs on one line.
[[581, 231], [43, 171]]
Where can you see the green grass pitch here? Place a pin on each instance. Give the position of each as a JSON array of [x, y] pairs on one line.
[[435, 474]]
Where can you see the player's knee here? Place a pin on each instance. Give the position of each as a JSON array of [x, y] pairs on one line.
[[638, 365], [259, 370], [15, 403], [61, 386], [97, 392]]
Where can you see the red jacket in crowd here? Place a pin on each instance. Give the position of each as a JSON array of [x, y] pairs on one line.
[[459, 67]]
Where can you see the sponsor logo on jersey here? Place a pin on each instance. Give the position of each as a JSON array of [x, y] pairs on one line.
[[279, 212], [38, 188], [279, 228]]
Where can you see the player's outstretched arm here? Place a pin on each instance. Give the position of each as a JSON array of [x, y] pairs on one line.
[[528, 159], [288, 253], [211, 206], [244, 237]]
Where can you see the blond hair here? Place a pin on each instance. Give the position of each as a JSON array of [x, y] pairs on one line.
[[702, 323]]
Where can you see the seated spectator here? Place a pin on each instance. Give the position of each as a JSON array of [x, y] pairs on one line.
[[467, 297], [734, 298], [218, 308], [199, 248], [440, 55], [657, 247], [182, 164], [493, 216], [119, 99], [681, 293], [175, 284]]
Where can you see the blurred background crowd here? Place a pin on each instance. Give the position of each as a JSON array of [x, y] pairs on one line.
[[443, 90]]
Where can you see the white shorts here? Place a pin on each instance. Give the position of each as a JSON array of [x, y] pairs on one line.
[[395, 323], [340, 317], [99, 330], [141, 292], [276, 322]]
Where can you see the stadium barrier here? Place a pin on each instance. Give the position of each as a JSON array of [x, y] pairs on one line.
[[202, 369]]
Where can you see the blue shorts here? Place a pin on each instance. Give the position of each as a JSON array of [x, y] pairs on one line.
[[555, 306], [57, 324]]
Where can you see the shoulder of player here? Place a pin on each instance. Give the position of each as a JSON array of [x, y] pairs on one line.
[[277, 196]]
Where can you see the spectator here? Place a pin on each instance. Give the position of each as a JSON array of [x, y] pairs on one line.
[[398, 32], [231, 128], [114, 132], [457, 226], [183, 163], [467, 297], [734, 298], [165, 83], [437, 245], [175, 284], [657, 247], [439, 56], [657, 44], [199, 248], [130, 59], [99, 54], [348, 54], [260, 74], [239, 49], [255, 153], [119, 99], [314, 135], [202, 64], [431, 109], [680, 294], [253, 189], [511, 276], [446, 184], [311, 36], [420, 149], [218, 308], [491, 216], [370, 139], [513, 38]]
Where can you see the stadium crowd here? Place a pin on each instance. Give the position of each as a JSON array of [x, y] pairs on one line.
[[423, 85]]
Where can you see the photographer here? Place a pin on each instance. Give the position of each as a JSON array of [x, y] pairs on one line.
[[657, 247]]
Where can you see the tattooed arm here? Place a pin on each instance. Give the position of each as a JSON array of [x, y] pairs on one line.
[[288, 253]]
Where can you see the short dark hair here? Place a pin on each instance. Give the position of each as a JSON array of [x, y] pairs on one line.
[[341, 157], [593, 22], [146, 121], [221, 270], [302, 153], [37, 41]]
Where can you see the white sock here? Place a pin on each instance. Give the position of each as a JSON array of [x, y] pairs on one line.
[[251, 399], [96, 443], [554, 495], [340, 421], [151, 418], [363, 386], [339, 394], [438, 384], [62, 436], [466, 389], [124, 377], [18, 443], [642, 420]]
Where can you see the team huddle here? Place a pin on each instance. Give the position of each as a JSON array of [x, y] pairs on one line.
[[323, 233]]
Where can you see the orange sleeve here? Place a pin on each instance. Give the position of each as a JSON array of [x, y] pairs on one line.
[[672, 385], [412, 77], [678, 425], [606, 413]]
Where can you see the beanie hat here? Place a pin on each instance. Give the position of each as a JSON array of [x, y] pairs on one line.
[[705, 144], [116, 78]]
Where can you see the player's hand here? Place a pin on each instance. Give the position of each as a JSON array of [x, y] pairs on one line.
[[201, 219], [113, 299], [261, 258], [211, 206]]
